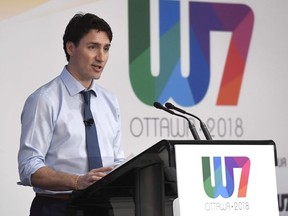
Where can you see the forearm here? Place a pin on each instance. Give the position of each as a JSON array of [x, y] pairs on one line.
[[49, 179]]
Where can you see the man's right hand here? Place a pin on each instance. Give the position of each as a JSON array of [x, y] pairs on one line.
[[91, 177]]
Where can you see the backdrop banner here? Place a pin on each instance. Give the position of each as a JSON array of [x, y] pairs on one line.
[[224, 61]]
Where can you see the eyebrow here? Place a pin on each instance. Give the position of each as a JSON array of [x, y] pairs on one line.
[[95, 43]]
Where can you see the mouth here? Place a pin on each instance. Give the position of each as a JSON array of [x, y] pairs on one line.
[[97, 67]]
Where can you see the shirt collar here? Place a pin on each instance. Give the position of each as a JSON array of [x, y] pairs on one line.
[[73, 85]]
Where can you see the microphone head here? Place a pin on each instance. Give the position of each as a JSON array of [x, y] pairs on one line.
[[169, 105], [158, 105]]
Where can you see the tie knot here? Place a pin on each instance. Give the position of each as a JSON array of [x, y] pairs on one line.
[[86, 96]]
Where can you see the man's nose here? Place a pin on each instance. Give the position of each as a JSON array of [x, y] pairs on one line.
[[100, 55]]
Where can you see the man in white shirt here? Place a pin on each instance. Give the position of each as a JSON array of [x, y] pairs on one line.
[[52, 155]]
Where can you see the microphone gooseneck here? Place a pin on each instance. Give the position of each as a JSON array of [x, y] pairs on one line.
[[191, 126], [202, 124]]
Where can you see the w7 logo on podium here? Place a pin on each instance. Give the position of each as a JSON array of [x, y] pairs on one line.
[[218, 188], [203, 18]]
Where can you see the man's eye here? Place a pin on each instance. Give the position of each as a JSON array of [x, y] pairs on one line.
[[106, 48]]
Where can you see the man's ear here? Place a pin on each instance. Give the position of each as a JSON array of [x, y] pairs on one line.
[[70, 47]]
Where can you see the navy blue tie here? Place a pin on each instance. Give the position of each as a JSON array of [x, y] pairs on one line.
[[92, 145]]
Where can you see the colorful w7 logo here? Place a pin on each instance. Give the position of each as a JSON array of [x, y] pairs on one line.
[[230, 164], [203, 18]]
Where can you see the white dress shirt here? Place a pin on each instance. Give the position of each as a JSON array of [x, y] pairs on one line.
[[53, 132]]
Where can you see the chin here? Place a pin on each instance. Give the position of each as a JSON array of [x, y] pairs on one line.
[[97, 77]]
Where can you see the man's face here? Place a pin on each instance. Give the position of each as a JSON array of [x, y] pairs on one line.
[[89, 58]]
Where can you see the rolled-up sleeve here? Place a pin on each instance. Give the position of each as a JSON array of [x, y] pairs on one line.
[[36, 127]]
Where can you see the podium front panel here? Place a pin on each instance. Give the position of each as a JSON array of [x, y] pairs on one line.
[[226, 178]]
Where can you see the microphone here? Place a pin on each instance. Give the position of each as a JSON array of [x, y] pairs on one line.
[[202, 124], [89, 122], [191, 126]]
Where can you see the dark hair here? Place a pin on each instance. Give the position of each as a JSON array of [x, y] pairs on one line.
[[80, 25]]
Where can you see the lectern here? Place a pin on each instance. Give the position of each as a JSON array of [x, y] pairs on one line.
[[148, 184]]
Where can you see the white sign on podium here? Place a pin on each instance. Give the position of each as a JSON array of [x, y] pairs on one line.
[[222, 179]]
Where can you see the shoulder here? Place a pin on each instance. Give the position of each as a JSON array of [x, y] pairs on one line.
[[46, 93]]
